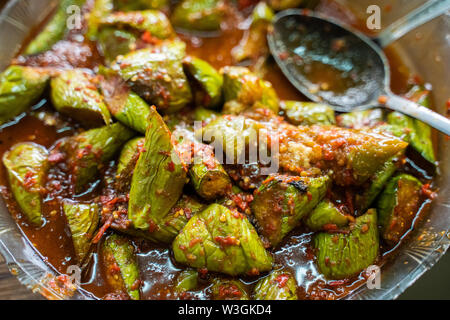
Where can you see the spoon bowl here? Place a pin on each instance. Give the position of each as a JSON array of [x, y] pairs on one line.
[[338, 65], [328, 62]]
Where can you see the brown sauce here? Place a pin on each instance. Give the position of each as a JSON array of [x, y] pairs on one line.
[[158, 270]]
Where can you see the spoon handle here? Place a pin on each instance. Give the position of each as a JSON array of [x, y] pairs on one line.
[[419, 112], [430, 10]]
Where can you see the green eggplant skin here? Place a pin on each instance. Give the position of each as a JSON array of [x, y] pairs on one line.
[[395, 130], [20, 87], [157, 77], [74, 93], [423, 140], [364, 200], [324, 215], [355, 155], [269, 98], [232, 133], [210, 80], [158, 179], [285, 4], [280, 5], [209, 178], [307, 113], [172, 223], [254, 44], [26, 165], [134, 114], [113, 42], [282, 201], [153, 21], [175, 220], [198, 15], [278, 285], [224, 289], [243, 89], [205, 115], [398, 205], [132, 5], [129, 154], [100, 9], [361, 119], [83, 220], [120, 265], [419, 135], [220, 240], [187, 280], [54, 30], [343, 255], [91, 149], [123, 104]]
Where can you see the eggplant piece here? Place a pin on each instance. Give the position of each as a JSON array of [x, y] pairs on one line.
[[125, 105], [242, 89], [157, 77], [353, 155], [343, 255], [91, 149], [205, 115], [54, 30], [209, 78], [134, 113], [100, 9], [254, 43], [232, 133], [280, 5], [153, 21], [361, 119], [129, 154], [132, 5], [398, 205], [74, 93], [187, 280], [422, 139], [175, 48], [83, 221], [307, 113], [20, 87], [278, 285], [113, 42], [224, 289], [394, 130], [269, 98], [26, 165], [168, 229], [419, 134], [377, 183], [326, 216], [158, 179], [209, 178], [127, 162], [175, 220], [198, 15], [120, 265], [221, 240], [282, 201]]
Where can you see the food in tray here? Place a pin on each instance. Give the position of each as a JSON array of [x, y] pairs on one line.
[[168, 157]]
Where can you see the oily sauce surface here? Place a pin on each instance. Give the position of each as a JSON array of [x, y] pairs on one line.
[[158, 270]]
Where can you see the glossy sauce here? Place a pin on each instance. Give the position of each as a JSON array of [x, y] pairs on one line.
[[158, 270]]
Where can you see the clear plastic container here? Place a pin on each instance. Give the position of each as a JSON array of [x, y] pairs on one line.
[[425, 51]]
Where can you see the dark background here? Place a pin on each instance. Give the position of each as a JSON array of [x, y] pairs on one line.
[[434, 284]]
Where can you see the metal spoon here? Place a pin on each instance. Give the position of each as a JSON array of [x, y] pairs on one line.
[[310, 47]]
